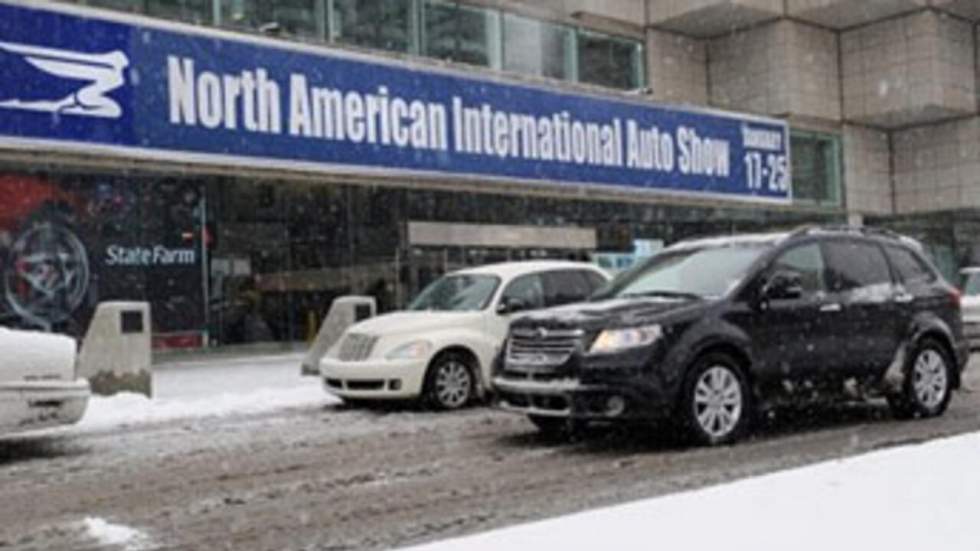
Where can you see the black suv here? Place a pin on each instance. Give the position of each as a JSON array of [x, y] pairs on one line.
[[711, 331]]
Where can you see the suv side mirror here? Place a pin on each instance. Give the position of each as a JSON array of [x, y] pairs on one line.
[[509, 305], [783, 285]]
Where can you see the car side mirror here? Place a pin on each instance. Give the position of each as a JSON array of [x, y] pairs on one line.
[[509, 305], [783, 285]]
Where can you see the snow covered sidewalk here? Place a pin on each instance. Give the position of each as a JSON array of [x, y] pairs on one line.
[[909, 498], [239, 386]]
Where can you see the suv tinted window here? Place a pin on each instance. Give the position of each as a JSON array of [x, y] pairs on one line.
[[564, 287], [528, 289], [855, 264], [910, 268], [594, 280], [807, 261]]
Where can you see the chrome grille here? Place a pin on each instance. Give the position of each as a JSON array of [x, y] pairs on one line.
[[540, 346], [356, 347]]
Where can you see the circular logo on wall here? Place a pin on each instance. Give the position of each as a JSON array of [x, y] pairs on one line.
[[47, 274]]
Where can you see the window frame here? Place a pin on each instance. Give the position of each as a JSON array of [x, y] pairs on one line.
[[510, 284], [930, 274], [771, 266], [837, 185], [825, 244]]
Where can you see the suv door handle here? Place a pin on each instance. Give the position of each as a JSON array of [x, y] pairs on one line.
[[904, 298], [832, 307]]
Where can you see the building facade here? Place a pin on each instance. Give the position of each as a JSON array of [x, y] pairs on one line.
[[240, 163]]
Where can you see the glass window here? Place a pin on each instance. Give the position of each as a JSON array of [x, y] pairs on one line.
[[528, 289], [461, 33], [816, 168], [288, 17], [565, 287], [704, 272], [910, 268], [198, 12], [610, 61], [382, 24], [457, 293], [537, 48], [971, 284], [593, 279], [807, 262], [855, 264]]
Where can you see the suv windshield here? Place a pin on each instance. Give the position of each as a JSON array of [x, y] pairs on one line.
[[971, 283], [687, 272], [457, 293]]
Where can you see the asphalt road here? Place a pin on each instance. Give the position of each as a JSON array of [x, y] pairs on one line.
[[332, 478]]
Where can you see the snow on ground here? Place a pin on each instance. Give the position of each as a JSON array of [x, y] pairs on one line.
[[210, 388], [116, 535], [915, 497]]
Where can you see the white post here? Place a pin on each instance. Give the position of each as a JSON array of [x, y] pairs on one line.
[[344, 312], [116, 352]]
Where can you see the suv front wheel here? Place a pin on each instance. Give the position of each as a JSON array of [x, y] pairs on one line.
[[928, 383], [716, 402]]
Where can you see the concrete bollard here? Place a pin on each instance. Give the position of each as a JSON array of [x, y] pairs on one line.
[[344, 312], [116, 355]]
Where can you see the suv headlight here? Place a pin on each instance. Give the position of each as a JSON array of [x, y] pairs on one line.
[[617, 340], [414, 350]]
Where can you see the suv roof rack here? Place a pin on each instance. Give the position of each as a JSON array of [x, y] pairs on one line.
[[860, 230]]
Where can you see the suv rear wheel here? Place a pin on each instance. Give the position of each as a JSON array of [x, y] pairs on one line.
[[928, 383], [716, 402]]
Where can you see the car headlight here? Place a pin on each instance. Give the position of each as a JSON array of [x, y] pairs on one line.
[[616, 340], [414, 350]]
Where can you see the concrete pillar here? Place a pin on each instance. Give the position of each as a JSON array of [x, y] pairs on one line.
[[116, 353], [344, 312]]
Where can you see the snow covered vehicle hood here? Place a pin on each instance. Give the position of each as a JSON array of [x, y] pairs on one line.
[[420, 322], [34, 356]]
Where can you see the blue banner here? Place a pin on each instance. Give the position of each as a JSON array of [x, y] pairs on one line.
[[166, 91]]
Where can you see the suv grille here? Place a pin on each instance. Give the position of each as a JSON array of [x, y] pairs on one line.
[[541, 346], [356, 347]]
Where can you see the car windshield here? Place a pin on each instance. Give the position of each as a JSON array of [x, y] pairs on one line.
[[971, 284], [457, 293], [687, 273]]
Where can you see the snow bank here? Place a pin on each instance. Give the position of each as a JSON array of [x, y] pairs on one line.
[[117, 535], [129, 409], [215, 388], [916, 497]]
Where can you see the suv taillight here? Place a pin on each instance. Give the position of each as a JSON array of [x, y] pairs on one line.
[[955, 295]]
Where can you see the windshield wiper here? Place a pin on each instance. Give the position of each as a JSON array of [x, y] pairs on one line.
[[668, 294]]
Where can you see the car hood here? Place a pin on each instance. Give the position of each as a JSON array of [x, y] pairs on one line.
[[407, 323], [608, 313], [34, 356]]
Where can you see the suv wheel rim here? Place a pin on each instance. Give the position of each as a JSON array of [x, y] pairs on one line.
[[929, 378], [718, 401], [452, 384]]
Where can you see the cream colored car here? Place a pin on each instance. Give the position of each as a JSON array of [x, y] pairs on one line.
[[38, 386], [441, 349]]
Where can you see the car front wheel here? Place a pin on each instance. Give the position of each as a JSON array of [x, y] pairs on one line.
[[449, 382], [928, 383], [716, 405]]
